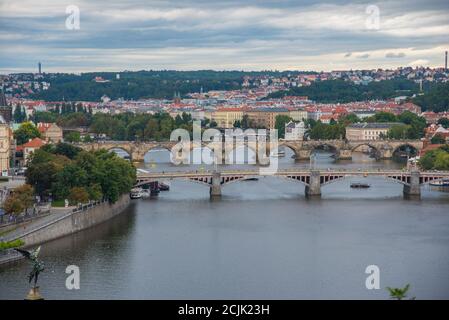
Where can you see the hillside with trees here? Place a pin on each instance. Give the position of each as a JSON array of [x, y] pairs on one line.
[[334, 91]]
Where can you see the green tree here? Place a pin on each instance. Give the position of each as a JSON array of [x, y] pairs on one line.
[[19, 200], [398, 293], [444, 122], [78, 195], [87, 138], [280, 122], [398, 132], [382, 117], [41, 116], [442, 161], [26, 132], [25, 194], [95, 192], [19, 114], [348, 119], [438, 139], [13, 205], [66, 149], [73, 136]]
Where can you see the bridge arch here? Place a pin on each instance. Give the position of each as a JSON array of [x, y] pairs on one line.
[[290, 146], [398, 147], [377, 152]]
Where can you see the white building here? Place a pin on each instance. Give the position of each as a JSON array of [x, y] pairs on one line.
[[295, 130]]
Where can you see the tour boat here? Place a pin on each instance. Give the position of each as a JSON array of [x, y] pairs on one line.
[[136, 193], [164, 186], [359, 185], [440, 183]]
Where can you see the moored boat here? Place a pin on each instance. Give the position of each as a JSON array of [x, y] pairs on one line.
[[164, 186], [440, 183], [136, 193]]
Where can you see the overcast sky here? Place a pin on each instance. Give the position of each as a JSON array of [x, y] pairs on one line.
[[226, 35]]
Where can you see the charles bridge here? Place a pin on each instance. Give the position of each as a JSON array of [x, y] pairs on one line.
[[343, 149]]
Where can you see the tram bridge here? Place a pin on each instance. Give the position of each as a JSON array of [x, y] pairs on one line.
[[312, 179]]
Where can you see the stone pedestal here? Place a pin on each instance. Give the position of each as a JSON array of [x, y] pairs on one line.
[[34, 294], [413, 190], [314, 187], [303, 155], [215, 188], [344, 154]]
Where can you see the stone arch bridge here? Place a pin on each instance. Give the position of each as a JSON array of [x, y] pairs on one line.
[[383, 149]]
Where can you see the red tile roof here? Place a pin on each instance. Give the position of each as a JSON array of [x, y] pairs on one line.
[[34, 143]]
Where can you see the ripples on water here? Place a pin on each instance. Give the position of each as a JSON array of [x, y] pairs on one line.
[[263, 239]]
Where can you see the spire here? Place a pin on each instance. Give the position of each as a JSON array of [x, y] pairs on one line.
[[2, 99]]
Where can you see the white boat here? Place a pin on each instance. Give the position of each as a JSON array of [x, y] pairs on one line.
[[278, 154], [440, 183], [136, 193], [145, 193]]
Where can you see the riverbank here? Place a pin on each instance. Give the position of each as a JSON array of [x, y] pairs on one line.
[[65, 224]]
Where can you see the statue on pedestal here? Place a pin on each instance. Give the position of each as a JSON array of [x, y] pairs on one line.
[[38, 267]]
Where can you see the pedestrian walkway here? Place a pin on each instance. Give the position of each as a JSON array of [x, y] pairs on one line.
[[55, 214]]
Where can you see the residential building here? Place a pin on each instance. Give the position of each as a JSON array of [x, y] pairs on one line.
[[266, 117], [298, 114], [51, 132], [368, 131], [29, 147], [5, 151], [294, 130]]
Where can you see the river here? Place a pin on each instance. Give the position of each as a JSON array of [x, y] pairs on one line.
[[262, 240]]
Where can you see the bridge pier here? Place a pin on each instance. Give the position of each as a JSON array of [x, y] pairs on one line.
[[303, 154], [344, 154], [413, 189], [215, 188], [313, 189]]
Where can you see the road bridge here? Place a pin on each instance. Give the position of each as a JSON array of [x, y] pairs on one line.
[[312, 179]]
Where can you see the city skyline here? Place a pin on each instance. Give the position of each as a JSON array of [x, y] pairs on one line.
[[253, 36]]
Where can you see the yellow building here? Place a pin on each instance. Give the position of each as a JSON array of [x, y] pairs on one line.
[[368, 131], [298, 114], [226, 117]]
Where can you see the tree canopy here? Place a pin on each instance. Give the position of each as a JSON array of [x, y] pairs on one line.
[[58, 170]]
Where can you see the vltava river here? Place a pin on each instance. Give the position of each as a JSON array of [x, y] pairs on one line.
[[263, 239]]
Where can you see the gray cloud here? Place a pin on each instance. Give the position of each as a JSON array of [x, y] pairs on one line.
[[231, 34], [395, 55]]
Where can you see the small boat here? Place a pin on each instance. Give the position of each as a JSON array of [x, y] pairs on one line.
[[359, 185], [440, 183], [251, 179], [164, 187], [136, 193], [278, 154], [145, 193]]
